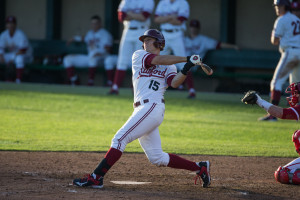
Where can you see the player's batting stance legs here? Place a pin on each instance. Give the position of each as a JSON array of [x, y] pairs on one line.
[[152, 74]]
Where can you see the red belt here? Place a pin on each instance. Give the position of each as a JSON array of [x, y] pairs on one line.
[[138, 103]]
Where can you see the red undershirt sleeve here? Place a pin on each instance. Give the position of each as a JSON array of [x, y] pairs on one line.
[[291, 113], [121, 16], [148, 60], [146, 14], [181, 18]]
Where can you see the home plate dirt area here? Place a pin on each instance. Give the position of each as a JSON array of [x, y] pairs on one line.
[[49, 175]]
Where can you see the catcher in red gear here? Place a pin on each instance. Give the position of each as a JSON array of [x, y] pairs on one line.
[[290, 173]]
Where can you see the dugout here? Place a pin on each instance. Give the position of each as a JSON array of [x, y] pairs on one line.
[[248, 24]]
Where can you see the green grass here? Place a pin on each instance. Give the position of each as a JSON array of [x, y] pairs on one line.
[[60, 118]]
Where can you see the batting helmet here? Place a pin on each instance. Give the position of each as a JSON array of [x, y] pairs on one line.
[[295, 5], [156, 34], [282, 3], [296, 140], [294, 90]]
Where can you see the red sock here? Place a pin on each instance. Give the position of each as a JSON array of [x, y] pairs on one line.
[[92, 72], [70, 72], [112, 156], [275, 97], [19, 74], [110, 75], [189, 80], [181, 163], [119, 77]]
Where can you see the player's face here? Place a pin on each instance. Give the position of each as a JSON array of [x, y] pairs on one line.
[[194, 30], [95, 24], [280, 10], [10, 26], [149, 44]]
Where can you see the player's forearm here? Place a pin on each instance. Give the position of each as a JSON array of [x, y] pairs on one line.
[[175, 21], [270, 108], [135, 16], [167, 60], [178, 80], [162, 19], [276, 111]]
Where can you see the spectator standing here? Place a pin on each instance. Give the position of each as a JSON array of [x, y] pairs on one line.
[[135, 16]]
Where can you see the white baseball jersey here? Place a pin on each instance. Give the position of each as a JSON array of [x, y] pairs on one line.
[[136, 6], [97, 41], [287, 28], [178, 7], [200, 45], [149, 83], [15, 43]]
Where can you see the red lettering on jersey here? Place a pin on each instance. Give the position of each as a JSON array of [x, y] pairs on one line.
[[152, 72]]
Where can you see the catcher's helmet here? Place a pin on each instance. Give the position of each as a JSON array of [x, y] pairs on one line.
[[296, 140], [294, 90], [282, 2], [154, 33]]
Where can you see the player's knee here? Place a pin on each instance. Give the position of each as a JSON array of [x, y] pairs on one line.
[[67, 62], [20, 61], [109, 63], [283, 175], [277, 84], [158, 159]]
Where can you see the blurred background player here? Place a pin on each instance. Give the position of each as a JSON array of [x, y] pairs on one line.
[[99, 44], [296, 8], [14, 49], [135, 16], [286, 34], [199, 44], [290, 173], [171, 15]]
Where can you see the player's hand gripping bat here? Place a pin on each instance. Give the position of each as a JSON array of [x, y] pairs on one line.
[[196, 59]]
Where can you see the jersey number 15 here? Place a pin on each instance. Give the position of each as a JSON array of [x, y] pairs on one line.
[[154, 85]]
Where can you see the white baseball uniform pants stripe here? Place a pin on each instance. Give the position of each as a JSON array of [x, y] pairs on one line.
[[143, 125]]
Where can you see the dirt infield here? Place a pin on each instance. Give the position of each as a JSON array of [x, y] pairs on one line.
[[48, 175]]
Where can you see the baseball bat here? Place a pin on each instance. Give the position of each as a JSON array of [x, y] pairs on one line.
[[206, 69]]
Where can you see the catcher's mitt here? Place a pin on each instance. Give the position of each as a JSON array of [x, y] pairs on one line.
[[250, 97]]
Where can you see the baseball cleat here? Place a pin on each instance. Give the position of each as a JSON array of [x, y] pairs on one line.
[[192, 95], [113, 92], [268, 117], [89, 181], [204, 173]]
